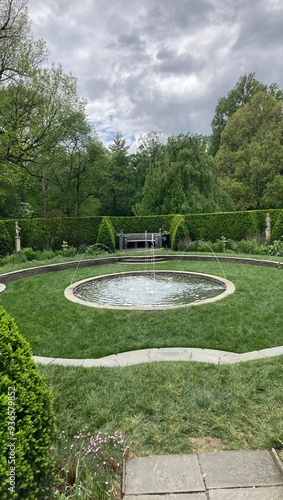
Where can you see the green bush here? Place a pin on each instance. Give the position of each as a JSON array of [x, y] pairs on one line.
[[27, 420], [276, 248], [178, 231], [6, 241], [106, 234]]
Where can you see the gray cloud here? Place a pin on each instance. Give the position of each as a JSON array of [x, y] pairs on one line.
[[155, 65]]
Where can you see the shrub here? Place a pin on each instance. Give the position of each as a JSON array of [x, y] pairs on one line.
[[178, 231], [106, 234], [276, 248], [6, 242], [27, 420], [30, 254]]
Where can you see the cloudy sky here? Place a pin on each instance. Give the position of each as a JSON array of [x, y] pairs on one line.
[[160, 65]]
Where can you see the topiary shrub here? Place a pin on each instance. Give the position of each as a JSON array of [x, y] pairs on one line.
[[106, 234], [27, 420], [178, 231]]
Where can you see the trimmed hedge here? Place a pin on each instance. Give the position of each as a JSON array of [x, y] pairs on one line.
[[27, 420], [44, 234], [233, 225], [178, 231], [106, 234]]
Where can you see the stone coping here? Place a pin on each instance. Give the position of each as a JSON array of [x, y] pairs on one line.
[[61, 266], [141, 356], [228, 290]]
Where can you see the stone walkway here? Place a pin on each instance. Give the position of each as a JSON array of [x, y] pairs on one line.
[[165, 354], [223, 475]]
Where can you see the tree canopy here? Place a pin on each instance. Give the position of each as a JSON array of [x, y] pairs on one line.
[[52, 163]]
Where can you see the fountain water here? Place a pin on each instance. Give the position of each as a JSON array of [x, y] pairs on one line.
[[143, 290]]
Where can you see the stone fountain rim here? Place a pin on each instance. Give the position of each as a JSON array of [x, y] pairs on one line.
[[229, 289]]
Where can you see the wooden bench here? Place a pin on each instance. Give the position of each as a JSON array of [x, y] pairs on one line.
[[146, 238]]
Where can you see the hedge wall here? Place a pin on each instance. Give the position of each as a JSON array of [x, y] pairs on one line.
[[235, 225], [42, 234]]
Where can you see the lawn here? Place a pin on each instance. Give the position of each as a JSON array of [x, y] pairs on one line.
[[245, 321], [162, 407], [167, 407]]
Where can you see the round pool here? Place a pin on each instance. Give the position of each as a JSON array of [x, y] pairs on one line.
[[149, 290]]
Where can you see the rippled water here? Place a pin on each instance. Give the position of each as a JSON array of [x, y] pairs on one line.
[[151, 290]]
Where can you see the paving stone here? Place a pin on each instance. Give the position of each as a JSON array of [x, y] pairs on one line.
[[269, 493], [68, 362], [2, 287], [163, 474], [133, 358], [109, 361], [272, 351], [180, 496], [169, 354], [43, 361], [248, 468], [249, 356]]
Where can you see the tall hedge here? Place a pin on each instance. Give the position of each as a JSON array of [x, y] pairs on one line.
[[41, 234], [6, 240], [27, 420]]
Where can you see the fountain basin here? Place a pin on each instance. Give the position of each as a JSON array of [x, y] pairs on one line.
[[149, 290]]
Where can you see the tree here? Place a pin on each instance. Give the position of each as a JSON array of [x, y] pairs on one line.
[[75, 173], [120, 186], [183, 180], [250, 157], [36, 113], [245, 88], [19, 54]]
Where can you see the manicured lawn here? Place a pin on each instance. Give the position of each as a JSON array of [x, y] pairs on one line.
[[160, 407], [248, 320]]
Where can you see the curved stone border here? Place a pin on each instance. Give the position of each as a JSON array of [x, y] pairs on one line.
[[149, 355], [62, 266], [229, 289], [164, 354]]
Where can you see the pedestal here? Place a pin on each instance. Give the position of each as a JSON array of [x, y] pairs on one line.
[[17, 243]]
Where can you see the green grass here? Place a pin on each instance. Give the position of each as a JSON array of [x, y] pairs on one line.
[[159, 407], [245, 321]]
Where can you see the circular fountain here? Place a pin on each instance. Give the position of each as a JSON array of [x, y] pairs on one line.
[[149, 290]]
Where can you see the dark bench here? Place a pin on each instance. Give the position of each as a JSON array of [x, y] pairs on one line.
[[146, 238]]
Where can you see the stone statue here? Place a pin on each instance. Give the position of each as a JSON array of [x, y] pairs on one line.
[[268, 227], [17, 229], [17, 237]]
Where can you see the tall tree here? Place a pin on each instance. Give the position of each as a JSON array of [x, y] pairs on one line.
[[120, 192], [183, 180], [250, 157], [19, 53], [245, 88]]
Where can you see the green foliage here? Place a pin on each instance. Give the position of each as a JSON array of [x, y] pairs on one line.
[[182, 179], [277, 230], [178, 231], [251, 153], [245, 88], [27, 419], [106, 234], [140, 224], [276, 248], [6, 242], [233, 225]]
